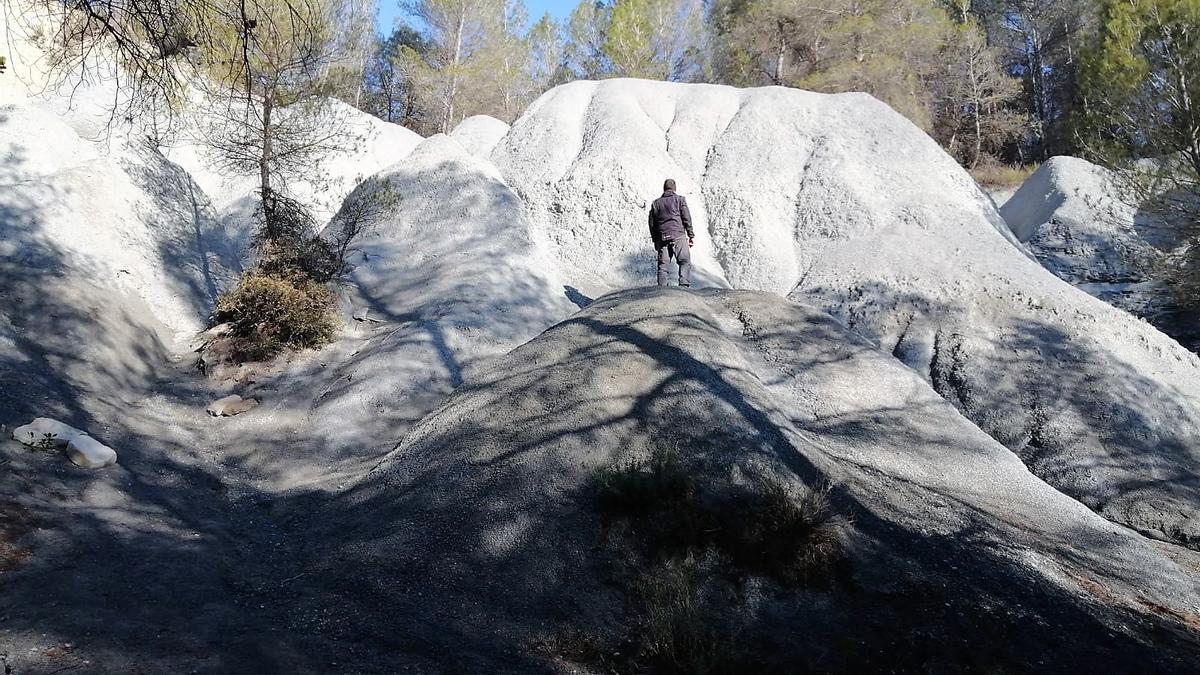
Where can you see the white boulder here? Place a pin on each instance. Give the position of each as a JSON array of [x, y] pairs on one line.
[[89, 453], [44, 432], [82, 449], [231, 405]]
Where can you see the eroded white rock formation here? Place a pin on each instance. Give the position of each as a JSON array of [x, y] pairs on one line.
[[479, 134], [1070, 214], [840, 202]]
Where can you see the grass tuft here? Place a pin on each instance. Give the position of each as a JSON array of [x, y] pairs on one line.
[[996, 175], [687, 541], [759, 528]]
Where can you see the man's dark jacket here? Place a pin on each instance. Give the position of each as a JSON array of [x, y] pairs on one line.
[[670, 219]]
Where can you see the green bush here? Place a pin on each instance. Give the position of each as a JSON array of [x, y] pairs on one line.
[[270, 314]]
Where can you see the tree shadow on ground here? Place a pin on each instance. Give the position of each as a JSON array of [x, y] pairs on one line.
[[472, 536]]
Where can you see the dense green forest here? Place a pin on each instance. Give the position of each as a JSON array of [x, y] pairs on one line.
[[992, 80]]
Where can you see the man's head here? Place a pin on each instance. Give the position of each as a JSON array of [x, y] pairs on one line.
[[669, 185]]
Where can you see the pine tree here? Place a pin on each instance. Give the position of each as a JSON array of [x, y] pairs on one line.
[[1140, 81], [268, 109]]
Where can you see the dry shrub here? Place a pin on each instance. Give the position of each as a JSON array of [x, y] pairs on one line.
[[994, 174], [677, 629], [684, 538], [758, 528], [270, 314], [300, 259]]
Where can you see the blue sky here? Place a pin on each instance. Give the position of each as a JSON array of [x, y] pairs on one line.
[[389, 10]]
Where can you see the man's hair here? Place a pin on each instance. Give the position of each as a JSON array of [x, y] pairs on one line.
[[669, 184]]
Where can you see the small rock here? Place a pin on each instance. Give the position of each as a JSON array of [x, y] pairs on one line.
[[364, 314], [231, 405], [204, 338], [89, 453]]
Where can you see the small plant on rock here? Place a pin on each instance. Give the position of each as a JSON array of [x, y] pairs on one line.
[[46, 442]]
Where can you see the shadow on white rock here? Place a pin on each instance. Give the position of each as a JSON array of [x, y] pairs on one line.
[[840, 202]]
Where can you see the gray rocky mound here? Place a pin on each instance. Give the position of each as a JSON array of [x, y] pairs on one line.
[[1070, 216], [840, 202], [479, 134], [449, 278], [479, 535]]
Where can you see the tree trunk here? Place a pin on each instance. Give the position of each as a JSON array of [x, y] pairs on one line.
[[978, 138], [264, 170], [780, 56], [1037, 82], [976, 105], [452, 89]]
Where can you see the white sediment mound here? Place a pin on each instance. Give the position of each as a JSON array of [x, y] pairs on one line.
[[113, 213], [774, 176], [1070, 215], [479, 134], [1066, 188], [451, 278], [840, 202]]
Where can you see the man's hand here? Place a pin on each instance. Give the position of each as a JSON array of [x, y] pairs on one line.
[[691, 243]]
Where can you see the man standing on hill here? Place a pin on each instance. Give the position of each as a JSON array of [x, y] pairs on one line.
[[671, 230]]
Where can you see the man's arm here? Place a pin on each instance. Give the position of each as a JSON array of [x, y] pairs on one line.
[[686, 216]]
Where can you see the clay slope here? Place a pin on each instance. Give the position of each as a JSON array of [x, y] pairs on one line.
[[838, 201], [113, 214], [446, 280], [479, 535]]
